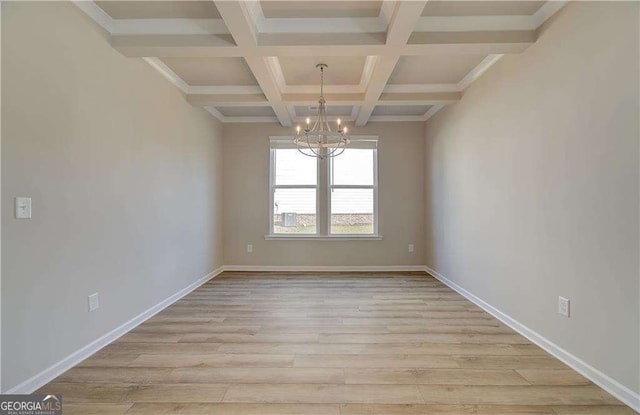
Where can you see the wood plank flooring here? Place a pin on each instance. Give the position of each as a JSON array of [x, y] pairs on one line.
[[326, 344]]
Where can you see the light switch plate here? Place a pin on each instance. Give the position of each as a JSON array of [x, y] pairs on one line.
[[563, 306], [94, 302], [23, 208]]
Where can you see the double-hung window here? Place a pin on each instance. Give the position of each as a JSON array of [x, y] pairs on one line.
[[332, 197]]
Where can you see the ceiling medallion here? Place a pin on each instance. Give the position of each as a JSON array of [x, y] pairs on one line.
[[320, 141]]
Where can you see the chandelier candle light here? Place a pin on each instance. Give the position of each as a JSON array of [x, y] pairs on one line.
[[320, 141]]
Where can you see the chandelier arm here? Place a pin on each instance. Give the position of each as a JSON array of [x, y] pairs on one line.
[[311, 147], [337, 150], [316, 124]]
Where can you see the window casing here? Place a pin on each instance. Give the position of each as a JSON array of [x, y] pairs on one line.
[[344, 191]]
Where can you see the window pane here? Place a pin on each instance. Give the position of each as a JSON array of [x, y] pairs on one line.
[[353, 167], [294, 211], [292, 167], [352, 211]]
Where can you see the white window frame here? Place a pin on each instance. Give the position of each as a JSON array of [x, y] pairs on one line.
[[373, 187], [323, 188], [281, 144]]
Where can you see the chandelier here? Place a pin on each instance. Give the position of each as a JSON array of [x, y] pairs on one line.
[[320, 141]]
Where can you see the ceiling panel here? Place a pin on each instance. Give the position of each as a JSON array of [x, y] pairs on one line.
[[246, 111], [335, 110], [319, 9], [343, 70], [480, 8], [433, 69], [205, 9], [211, 71], [399, 110]]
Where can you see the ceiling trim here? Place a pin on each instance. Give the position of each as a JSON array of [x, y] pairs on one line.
[[478, 70], [168, 27], [205, 89], [547, 10], [432, 111], [401, 25], [98, 15], [475, 23], [323, 25], [399, 30], [241, 25], [213, 111]]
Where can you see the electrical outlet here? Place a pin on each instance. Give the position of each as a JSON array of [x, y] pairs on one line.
[[411, 249], [94, 302], [249, 248], [23, 208], [563, 306]]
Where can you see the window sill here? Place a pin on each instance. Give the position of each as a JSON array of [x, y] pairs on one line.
[[283, 237]]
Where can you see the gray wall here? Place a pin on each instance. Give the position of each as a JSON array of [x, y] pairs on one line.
[[532, 186], [401, 201], [125, 178]]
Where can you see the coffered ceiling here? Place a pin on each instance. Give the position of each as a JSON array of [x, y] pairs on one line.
[[254, 61]]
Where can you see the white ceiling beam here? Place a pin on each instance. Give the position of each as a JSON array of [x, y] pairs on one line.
[[401, 24], [168, 73], [258, 39], [321, 39], [164, 46], [321, 49], [322, 25], [228, 100], [477, 71], [367, 71], [169, 27], [418, 98], [250, 119], [470, 37], [423, 43], [213, 111], [239, 21], [407, 88], [475, 23], [333, 99], [547, 10], [98, 15], [432, 111], [184, 26], [386, 11], [291, 100]]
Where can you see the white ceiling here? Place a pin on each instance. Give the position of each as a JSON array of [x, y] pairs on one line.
[[254, 61]]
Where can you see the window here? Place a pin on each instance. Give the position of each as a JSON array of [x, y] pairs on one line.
[[294, 190], [335, 197]]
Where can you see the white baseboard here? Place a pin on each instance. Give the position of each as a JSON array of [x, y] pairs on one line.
[[34, 383], [612, 386], [331, 268]]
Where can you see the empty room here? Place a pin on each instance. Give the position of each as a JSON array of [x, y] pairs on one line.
[[260, 207]]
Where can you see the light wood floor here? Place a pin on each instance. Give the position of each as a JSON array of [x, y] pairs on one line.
[[328, 344]]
